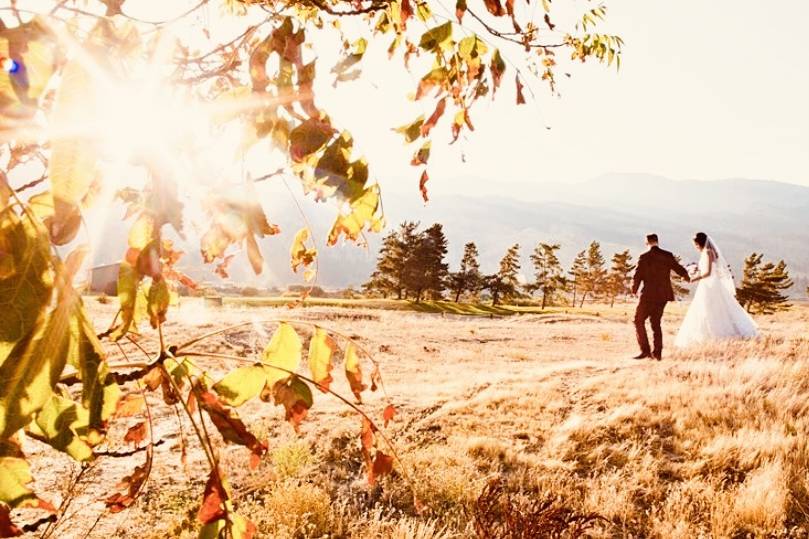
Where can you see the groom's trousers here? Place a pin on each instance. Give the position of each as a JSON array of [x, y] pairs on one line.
[[653, 311]]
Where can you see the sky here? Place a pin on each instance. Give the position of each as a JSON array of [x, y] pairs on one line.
[[706, 90]]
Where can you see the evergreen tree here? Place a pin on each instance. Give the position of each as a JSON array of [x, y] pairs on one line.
[[594, 275], [620, 277], [548, 272], [577, 273], [410, 270], [763, 285], [504, 285], [430, 258], [467, 278], [387, 278]]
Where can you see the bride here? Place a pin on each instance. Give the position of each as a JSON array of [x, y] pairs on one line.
[[714, 313]]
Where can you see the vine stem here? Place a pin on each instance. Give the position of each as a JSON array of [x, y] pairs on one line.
[[298, 322], [353, 406]]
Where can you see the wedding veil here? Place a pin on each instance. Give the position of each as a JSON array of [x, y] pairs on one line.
[[721, 268]]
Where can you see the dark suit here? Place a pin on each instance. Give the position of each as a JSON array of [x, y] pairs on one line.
[[654, 271]]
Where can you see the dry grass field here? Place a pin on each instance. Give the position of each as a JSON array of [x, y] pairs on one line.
[[707, 443]]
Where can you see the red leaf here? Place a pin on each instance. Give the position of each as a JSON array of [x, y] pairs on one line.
[[423, 185], [213, 500], [136, 434], [296, 398], [383, 465], [427, 126], [229, 425], [367, 440], [132, 485], [460, 9], [407, 12], [551, 26], [7, 528], [520, 97], [494, 7], [388, 414]]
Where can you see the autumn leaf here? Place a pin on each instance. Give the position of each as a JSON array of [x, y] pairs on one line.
[[411, 131], [354, 371], [158, 302], [460, 9], [520, 96], [128, 283], [497, 67], [548, 22], [229, 425], [299, 254], [383, 465], [213, 500], [437, 37], [423, 186], [422, 155], [296, 398], [427, 126], [308, 137], [134, 403], [241, 384], [284, 351], [388, 413], [435, 78], [61, 423], [363, 215], [7, 527], [137, 433], [321, 349], [494, 7], [15, 476], [26, 279], [407, 12]]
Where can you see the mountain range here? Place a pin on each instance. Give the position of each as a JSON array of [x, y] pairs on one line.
[[617, 210]]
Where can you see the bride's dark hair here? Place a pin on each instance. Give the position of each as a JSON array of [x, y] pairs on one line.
[[701, 238]]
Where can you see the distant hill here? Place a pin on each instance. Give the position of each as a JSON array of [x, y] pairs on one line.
[[616, 209]]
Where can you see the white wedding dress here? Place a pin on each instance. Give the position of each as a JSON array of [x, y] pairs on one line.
[[714, 313]]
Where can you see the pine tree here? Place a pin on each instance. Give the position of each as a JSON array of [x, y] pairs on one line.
[[763, 285], [387, 278], [548, 272], [467, 278], [577, 273], [594, 274], [410, 270], [620, 276], [431, 252], [504, 284]]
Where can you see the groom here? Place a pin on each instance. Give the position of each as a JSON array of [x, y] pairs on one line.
[[654, 271]]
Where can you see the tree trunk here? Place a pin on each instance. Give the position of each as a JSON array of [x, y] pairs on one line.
[[583, 297], [458, 295], [544, 297]]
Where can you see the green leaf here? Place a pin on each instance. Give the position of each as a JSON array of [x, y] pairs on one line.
[[15, 474], [321, 349], [128, 281], [241, 384], [59, 424], [283, 350], [158, 301], [26, 279], [437, 37]]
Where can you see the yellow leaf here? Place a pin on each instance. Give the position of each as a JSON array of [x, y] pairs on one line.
[[241, 385], [353, 371], [283, 350], [299, 254], [321, 348]]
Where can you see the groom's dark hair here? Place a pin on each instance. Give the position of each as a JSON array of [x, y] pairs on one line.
[[651, 238]]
